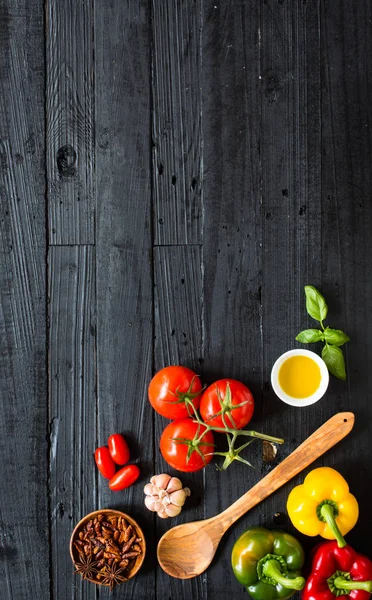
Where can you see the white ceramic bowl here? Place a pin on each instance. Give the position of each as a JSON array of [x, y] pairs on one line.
[[324, 378]]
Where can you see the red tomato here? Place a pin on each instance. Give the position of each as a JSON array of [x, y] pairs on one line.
[[118, 448], [104, 462], [225, 394], [169, 386], [124, 478], [175, 453]]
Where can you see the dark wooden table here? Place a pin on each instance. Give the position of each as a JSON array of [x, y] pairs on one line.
[[172, 174]]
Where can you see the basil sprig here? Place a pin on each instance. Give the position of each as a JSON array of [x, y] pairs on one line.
[[332, 355]]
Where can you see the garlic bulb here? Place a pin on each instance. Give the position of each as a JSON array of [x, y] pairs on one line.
[[165, 495]]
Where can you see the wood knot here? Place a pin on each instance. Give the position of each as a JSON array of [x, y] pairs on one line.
[[66, 161]]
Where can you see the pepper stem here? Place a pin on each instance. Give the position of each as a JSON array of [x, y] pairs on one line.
[[327, 511], [272, 570], [343, 584]]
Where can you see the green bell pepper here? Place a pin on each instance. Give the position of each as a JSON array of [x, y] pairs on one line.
[[268, 563]]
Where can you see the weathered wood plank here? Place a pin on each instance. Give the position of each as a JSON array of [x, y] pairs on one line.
[[70, 153], [124, 257], [72, 383], [291, 211], [24, 556], [176, 124], [346, 229], [232, 242], [178, 306]]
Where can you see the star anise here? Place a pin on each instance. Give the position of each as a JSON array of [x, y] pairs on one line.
[[112, 575], [86, 567]]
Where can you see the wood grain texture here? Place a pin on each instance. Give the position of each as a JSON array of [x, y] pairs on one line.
[[72, 381], [291, 213], [346, 49], [24, 548], [232, 238], [176, 121], [187, 550], [178, 306], [178, 320], [70, 121], [229, 144], [124, 258]]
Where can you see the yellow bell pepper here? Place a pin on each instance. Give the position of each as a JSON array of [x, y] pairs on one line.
[[323, 505]]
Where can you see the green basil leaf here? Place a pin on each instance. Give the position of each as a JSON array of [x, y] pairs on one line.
[[310, 335], [334, 359], [336, 337], [315, 304]]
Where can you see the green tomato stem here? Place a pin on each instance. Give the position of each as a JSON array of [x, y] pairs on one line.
[[232, 453], [250, 433], [238, 432]]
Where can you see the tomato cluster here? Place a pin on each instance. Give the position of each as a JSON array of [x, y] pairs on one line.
[[116, 453], [176, 393]]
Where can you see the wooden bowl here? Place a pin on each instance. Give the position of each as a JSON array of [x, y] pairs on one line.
[[134, 564]]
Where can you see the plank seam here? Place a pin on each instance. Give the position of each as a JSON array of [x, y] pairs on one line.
[[95, 269], [47, 315], [152, 237], [70, 245], [202, 264], [177, 245]]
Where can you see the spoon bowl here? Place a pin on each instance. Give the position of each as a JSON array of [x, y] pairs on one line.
[[187, 550], [201, 544]]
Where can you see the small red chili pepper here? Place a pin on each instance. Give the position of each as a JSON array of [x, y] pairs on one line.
[[338, 572], [118, 449], [104, 462], [124, 478]]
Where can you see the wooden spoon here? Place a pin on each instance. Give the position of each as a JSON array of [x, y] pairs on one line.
[[188, 549]]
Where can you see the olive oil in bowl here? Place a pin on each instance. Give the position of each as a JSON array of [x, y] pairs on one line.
[[299, 377]]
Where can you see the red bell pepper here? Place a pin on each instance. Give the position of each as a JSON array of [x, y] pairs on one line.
[[338, 572]]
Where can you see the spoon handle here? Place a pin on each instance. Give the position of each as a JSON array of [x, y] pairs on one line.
[[333, 430]]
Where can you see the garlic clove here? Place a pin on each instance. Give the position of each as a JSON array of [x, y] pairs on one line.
[[161, 481], [150, 490], [150, 503], [174, 485], [172, 510], [178, 498]]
